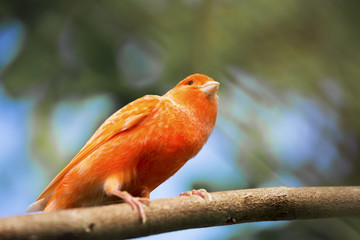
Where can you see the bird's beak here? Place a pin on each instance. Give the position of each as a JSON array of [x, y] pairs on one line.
[[210, 88]]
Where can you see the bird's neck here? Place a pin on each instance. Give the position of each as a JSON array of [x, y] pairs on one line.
[[203, 111]]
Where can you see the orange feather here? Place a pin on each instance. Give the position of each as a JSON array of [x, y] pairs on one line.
[[137, 148]]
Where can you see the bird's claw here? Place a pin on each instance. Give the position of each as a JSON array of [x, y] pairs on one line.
[[135, 203], [201, 192], [145, 201]]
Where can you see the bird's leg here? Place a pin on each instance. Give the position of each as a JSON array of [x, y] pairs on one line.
[[201, 192], [134, 202], [112, 187]]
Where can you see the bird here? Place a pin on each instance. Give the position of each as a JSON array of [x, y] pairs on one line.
[[136, 149]]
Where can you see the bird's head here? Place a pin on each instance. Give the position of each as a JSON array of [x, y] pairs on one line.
[[198, 92], [197, 86], [201, 85]]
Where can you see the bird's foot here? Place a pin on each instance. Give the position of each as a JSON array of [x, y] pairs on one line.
[[134, 202], [201, 192]]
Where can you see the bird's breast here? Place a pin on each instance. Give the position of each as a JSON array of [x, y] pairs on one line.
[[169, 144]]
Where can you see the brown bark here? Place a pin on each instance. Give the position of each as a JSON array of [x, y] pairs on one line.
[[119, 221]]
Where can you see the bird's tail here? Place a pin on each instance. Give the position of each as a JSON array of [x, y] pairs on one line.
[[39, 205]]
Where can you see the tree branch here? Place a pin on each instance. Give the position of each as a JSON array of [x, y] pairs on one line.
[[118, 221]]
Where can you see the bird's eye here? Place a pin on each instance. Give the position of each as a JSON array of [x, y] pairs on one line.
[[190, 82]]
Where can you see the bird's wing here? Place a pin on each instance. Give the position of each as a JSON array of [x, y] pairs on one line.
[[123, 120]]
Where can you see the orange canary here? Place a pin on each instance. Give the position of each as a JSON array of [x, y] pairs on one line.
[[136, 149]]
